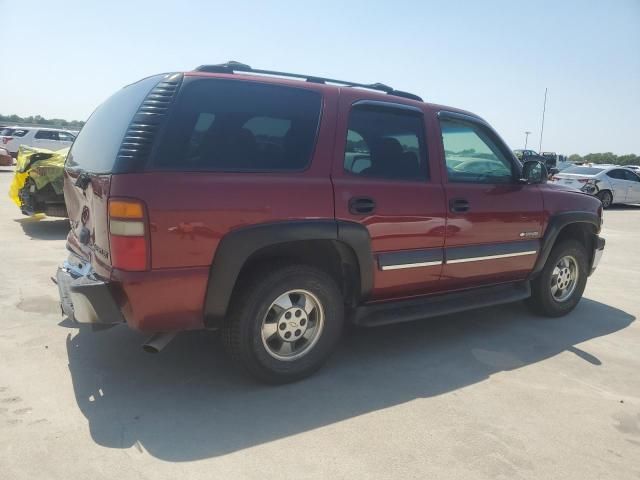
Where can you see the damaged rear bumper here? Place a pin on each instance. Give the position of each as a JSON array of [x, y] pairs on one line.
[[85, 298]]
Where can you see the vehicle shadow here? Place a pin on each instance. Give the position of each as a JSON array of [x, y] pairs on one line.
[[41, 229], [190, 403]]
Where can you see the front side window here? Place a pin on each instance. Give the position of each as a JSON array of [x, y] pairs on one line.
[[227, 125], [471, 156], [65, 137], [386, 143]]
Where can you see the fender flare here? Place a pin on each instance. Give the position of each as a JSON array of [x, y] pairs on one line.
[[557, 223], [239, 245]]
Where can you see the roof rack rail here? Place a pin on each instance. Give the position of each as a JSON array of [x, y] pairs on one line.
[[232, 66]]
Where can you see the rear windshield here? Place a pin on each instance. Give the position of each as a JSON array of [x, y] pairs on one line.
[[583, 170], [6, 131], [96, 147], [230, 125]]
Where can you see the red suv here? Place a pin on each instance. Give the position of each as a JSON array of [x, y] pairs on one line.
[[278, 206]]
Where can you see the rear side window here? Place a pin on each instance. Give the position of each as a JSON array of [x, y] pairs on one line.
[[227, 125], [20, 132], [385, 142], [96, 148]]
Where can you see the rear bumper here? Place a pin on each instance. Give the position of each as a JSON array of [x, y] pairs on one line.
[[165, 300], [85, 298], [597, 253]]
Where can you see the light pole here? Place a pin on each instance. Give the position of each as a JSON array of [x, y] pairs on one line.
[[526, 137], [544, 109]]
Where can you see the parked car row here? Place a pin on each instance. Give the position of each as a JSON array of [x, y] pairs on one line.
[[610, 183], [37, 183], [50, 138]]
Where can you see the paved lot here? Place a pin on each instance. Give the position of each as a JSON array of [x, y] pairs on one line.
[[495, 393]]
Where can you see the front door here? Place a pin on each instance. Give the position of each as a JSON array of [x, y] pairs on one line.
[[384, 180], [494, 222]]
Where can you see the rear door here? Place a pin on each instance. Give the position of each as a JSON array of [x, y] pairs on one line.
[[633, 190], [619, 184], [45, 139], [494, 222], [385, 178]]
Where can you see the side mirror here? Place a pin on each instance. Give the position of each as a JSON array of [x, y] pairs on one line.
[[534, 172]]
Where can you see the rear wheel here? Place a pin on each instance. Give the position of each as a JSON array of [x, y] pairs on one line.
[[283, 324], [559, 287], [606, 198]]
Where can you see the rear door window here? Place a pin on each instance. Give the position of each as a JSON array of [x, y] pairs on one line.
[[617, 174], [228, 125], [386, 142], [20, 132], [46, 135]]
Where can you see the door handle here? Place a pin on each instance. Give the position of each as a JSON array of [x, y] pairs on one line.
[[362, 205], [458, 205]]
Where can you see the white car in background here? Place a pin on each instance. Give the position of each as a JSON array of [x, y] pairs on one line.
[[611, 184], [49, 138]]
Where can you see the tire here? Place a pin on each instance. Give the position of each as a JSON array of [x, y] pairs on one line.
[[253, 307], [606, 198], [543, 299]]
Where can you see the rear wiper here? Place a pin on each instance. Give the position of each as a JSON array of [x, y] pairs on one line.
[[83, 181]]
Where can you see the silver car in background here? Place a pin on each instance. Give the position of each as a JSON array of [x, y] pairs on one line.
[[611, 184]]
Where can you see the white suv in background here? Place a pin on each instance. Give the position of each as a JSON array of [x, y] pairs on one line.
[[49, 138], [611, 184]]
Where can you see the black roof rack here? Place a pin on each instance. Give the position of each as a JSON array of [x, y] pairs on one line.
[[231, 67]]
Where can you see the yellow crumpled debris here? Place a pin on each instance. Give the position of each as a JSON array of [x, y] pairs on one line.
[[46, 167]]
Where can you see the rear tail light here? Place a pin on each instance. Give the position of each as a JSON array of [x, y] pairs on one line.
[[6, 140], [128, 235]]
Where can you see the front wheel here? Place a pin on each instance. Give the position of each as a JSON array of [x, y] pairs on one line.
[[559, 287], [284, 323]]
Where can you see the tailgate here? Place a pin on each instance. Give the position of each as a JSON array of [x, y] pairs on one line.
[[86, 196]]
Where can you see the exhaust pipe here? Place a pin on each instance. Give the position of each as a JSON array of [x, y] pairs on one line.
[[157, 342]]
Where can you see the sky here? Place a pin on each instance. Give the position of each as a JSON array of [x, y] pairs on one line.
[[494, 58]]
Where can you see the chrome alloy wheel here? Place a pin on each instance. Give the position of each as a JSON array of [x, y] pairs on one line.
[[292, 325], [564, 278]]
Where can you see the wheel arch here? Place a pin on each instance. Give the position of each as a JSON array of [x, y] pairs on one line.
[[342, 249], [582, 226]]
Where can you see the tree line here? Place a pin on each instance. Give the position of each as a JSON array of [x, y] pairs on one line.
[[607, 157], [38, 120]]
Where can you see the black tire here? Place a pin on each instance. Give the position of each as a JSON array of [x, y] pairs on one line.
[[542, 300], [242, 332], [606, 198]]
